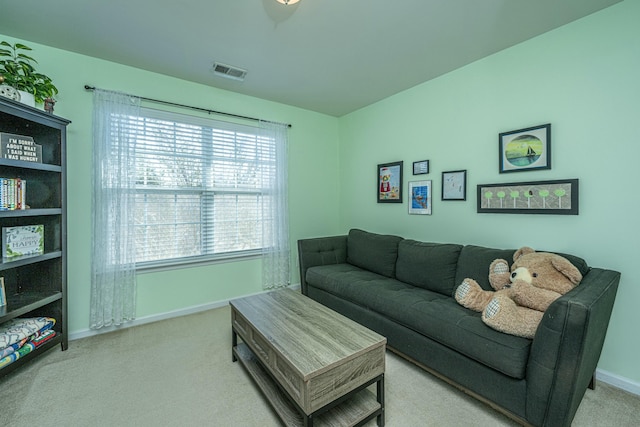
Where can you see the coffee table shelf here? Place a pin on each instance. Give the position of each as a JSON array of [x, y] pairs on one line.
[[359, 408]]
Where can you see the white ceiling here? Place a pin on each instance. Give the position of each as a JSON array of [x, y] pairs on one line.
[[329, 56]]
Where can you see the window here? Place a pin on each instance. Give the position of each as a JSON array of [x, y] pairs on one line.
[[200, 187]]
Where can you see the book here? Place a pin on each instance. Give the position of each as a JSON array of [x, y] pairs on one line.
[[3, 293], [22, 240], [19, 147]]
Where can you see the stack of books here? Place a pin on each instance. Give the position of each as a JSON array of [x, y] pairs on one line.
[[12, 194]]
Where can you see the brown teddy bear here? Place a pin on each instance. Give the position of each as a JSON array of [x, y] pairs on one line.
[[521, 295]]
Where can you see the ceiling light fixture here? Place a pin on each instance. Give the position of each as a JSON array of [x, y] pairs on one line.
[[287, 2]]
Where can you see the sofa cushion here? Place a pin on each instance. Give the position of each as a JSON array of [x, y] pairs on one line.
[[474, 263], [443, 320], [577, 262], [350, 282], [374, 252], [431, 314], [430, 266]]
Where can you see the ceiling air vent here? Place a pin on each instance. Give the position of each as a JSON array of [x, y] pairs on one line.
[[229, 72]]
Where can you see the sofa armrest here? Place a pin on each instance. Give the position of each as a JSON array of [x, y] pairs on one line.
[[566, 348], [320, 251]]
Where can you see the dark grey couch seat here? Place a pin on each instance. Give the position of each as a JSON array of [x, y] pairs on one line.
[[429, 313]]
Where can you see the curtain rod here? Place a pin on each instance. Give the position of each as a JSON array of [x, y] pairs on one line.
[[222, 113]]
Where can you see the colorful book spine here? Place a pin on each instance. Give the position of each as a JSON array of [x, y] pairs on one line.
[[13, 193], [3, 195]]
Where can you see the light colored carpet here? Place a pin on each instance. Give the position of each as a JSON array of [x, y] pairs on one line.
[[178, 372]]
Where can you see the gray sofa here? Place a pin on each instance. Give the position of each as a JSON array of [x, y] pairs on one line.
[[403, 289]]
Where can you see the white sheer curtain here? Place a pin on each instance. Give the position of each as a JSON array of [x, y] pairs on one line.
[[275, 212], [113, 280]]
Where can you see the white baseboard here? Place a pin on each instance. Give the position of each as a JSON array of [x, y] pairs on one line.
[[617, 381], [606, 377], [84, 333]]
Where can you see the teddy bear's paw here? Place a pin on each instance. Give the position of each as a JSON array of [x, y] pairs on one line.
[[470, 295], [492, 309], [498, 307], [466, 291], [463, 290], [500, 267], [499, 274], [502, 314]]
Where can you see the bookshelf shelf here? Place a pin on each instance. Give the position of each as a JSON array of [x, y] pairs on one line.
[[29, 165], [35, 285], [30, 212], [20, 304], [28, 260]]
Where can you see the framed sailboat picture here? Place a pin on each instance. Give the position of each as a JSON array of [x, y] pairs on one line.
[[525, 149]]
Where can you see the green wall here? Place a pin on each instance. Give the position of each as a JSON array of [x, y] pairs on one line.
[[584, 79], [313, 151]]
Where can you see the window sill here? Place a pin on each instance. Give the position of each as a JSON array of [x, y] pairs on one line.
[[175, 264]]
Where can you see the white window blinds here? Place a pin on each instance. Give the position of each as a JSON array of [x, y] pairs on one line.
[[200, 188]]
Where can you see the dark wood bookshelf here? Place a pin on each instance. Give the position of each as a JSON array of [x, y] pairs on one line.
[[36, 285]]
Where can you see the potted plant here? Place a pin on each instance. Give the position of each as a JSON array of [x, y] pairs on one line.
[[17, 71]]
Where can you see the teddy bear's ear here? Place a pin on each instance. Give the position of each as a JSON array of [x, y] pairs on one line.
[[522, 251], [567, 269]]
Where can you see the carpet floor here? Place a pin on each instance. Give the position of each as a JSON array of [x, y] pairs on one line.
[[178, 372]]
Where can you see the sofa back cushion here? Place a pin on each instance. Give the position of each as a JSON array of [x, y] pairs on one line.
[[430, 266], [373, 252], [474, 263]]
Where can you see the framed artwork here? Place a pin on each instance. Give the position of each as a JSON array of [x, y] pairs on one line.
[[539, 197], [421, 167], [454, 185], [525, 149], [389, 187], [420, 198]]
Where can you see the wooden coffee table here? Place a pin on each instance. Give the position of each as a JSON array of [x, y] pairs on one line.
[[312, 364]]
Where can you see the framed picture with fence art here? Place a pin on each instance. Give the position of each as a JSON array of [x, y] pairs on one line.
[[559, 197]]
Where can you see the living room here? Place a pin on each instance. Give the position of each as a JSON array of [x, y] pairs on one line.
[[581, 78]]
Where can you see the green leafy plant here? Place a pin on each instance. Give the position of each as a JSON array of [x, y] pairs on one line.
[[18, 71]]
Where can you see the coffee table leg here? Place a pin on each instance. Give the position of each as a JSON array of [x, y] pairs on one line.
[[380, 387], [234, 343], [308, 420]]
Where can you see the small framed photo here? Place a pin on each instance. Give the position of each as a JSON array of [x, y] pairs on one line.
[[3, 293], [420, 202], [454, 185], [525, 149], [389, 188], [421, 167]]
